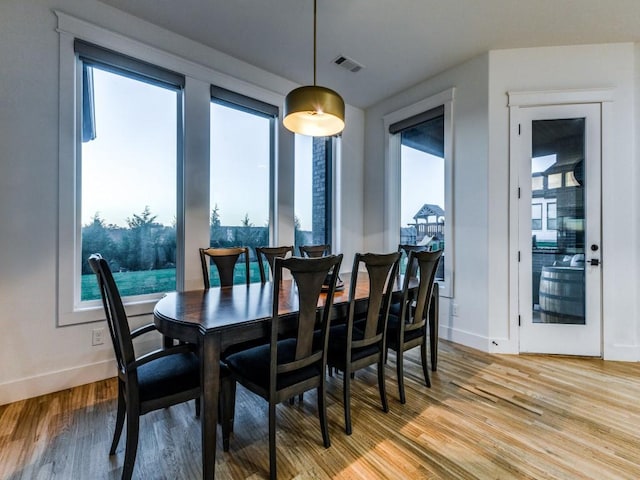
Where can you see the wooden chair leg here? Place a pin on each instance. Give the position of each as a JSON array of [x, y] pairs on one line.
[[273, 470], [434, 314], [400, 372], [122, 409], [133, 425], [322, 412], [425, 368], [197, 402], [381, 384], [346, 398]]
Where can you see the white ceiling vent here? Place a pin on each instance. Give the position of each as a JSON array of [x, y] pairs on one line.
[[348, 64]]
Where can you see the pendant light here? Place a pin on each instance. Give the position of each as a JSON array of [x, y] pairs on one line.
[[313, 110]]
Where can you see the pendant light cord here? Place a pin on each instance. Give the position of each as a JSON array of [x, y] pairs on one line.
[[314, 41]]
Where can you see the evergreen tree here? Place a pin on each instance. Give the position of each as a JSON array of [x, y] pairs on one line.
[[96, 238]]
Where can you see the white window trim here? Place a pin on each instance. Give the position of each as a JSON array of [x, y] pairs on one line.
[[70, 310], [392, 175]]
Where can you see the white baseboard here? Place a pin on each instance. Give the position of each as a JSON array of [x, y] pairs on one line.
[[55, 381], [464, 338], [622, 353]]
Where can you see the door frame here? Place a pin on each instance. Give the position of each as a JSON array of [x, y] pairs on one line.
[[516, 101]]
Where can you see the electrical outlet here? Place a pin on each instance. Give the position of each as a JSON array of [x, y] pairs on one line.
[[97, 336], [454, 310]]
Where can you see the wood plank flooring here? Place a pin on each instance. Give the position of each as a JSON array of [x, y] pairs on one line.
[[485, 417]]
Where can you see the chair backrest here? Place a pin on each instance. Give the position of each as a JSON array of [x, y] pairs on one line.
[[225, 260], [116, 316], [270, 254], [314, 251], [427, 264], [309, 275], [382, 270], [412, 267]]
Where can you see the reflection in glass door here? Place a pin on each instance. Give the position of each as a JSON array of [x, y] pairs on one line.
[[557, 220]]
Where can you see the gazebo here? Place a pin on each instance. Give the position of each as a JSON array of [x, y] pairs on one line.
[[429, 221]]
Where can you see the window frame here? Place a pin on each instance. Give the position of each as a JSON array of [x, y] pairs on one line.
[[192, 189], [71, 308], [193, 185], [549, 218], [244, 103], [392, 174], [538, 207], [329, 188]]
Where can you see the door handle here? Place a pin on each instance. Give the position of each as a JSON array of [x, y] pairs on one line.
[[594, 262]]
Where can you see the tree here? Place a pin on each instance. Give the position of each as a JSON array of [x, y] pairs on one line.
[[215, 216], [96, 238], [143, 220], [139, 245], [215, 230], [299, 235], [245, 221]]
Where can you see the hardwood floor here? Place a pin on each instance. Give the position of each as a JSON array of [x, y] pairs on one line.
[[485, 417]]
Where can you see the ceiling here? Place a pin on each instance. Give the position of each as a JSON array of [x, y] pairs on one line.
[[400, 42]]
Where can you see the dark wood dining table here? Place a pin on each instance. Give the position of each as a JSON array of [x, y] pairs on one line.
[[218, 318]]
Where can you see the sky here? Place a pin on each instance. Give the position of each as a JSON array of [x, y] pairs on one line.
[[422, 181], [128, 167], [132, 161]]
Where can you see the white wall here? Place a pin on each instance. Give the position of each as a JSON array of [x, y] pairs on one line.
[[572, 68], [470, 192], [35, 356], [482, 287]]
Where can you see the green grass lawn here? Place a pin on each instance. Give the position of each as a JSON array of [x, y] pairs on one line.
[[154, 281]]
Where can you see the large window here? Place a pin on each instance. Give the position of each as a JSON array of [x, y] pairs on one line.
[[552, 216], [422, 182], [536, 216], [154, 162], [127, 163], [242, 156], [419, 193], [313, 181]]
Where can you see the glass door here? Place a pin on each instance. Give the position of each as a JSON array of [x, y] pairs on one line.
[[559, 208]]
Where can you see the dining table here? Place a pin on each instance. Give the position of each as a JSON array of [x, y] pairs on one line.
[[217, 318]]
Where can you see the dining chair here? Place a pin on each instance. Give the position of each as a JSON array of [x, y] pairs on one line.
[[156, 380], [314, 251], [405, 249], [411, 269], [225, 260], [408, 329], [360, 342], [269, 254], [289, 366]]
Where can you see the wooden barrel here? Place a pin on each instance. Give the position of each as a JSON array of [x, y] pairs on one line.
[[562, 294]]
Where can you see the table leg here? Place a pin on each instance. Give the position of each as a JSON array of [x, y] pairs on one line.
[[210, 385], [434, 315]]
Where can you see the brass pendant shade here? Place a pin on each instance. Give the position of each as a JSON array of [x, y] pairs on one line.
[[313, 110]]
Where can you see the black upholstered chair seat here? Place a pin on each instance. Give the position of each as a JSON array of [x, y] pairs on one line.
[[168, 375], [392, 332], [253, 364], [338, 345]]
